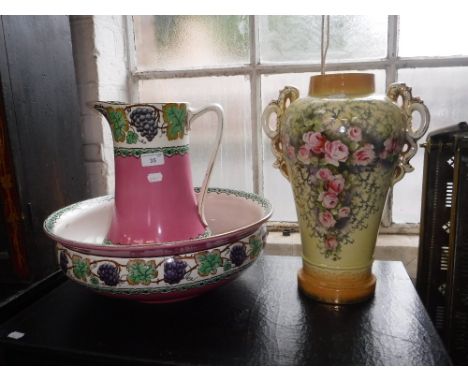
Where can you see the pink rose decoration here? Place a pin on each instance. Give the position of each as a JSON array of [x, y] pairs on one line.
[[288, 148], [291, 154], [355, 134], [326, 219], [335, 152], [364, 155], [324, 174], [344, 212], [314, 142], [330, 243], [304, 154], [329, 199], [391, 146], [336, 184]]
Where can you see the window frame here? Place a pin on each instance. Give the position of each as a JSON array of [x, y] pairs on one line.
[[255, 69]]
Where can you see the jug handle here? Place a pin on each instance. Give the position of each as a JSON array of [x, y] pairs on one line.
[[409, 105], [279, 106], [194, 114]]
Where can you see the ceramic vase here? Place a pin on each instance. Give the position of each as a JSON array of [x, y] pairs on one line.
[[341, 148], [154, 195]]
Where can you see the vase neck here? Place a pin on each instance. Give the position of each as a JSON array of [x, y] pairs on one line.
[[342, 84]]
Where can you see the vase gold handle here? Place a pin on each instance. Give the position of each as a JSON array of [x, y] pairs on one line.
[[193, 114], [286, 96], [409, 105]]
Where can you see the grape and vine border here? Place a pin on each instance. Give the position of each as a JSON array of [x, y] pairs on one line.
[[178, 288], [161, 274], [170, 121]]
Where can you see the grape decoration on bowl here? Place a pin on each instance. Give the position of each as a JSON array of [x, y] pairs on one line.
[[238, 254], [109, 274], [174, 270]]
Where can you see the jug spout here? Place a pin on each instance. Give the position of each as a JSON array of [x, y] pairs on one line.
[[116, 114], [105, 106]]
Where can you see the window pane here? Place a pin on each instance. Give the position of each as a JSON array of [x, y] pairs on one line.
[[276, 187], [432, 35], [233, 167], [297, 38], [175, 42], [444, 93]]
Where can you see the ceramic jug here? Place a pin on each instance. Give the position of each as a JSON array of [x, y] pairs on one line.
[[154, 196], [341, 148]]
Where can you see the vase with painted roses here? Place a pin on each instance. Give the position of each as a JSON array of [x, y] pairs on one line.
[[342, 147]]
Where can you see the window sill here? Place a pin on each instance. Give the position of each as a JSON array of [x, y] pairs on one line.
[[402, 248]]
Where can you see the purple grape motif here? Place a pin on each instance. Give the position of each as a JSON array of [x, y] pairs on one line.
[[63, 261], [174, 270], [109, 274], [237, 254], [145, 120]]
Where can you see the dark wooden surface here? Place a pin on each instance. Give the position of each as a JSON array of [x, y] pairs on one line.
[[259, 319], [38, 87], [16, 297]]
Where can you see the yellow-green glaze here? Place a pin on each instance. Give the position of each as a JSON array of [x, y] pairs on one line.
[[341, 155]]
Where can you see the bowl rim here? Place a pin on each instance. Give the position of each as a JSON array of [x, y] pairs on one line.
[[184, 245]]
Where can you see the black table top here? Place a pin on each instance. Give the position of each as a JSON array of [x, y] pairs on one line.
[[259, 319]]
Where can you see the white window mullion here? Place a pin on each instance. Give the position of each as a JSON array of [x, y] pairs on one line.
[[256, 107], [391, 76], [260, 69], [193, 73], [392, 50], [133, 82], [316, 67], [379, 64], [431, 62]]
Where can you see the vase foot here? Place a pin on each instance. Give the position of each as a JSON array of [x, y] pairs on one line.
[[337, 290]]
